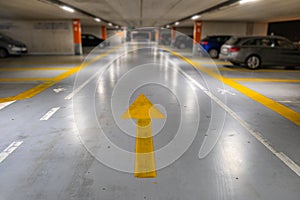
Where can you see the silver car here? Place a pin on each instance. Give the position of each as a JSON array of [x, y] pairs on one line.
[[255, 51], [9, 46]]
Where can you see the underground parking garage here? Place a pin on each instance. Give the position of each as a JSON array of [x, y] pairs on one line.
[[154, 100]]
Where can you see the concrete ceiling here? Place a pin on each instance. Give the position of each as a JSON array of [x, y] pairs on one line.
[[150, 13]]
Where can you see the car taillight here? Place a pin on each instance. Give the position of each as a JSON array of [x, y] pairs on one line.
[[234, 49], [204, 42]]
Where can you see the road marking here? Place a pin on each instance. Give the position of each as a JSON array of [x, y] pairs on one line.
[[23, 79], [235, 69], [58, 90], [10, 149], [35, 68], [215, 63], [143, 111], [265, 101], [291, 102], [280, 155], [3, 105], [266, 80], [43, 86], [98, 73], [49, 114], [224, 91]]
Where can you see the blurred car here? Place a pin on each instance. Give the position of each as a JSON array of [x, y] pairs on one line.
[[9, 46], [183, 42], [165, 39], [89, 40], [255, 51], [212, 44]]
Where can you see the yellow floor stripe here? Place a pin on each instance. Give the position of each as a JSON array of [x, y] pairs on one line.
[[34, 68], [215, 63], [266, 80], [144, 150], [43, 86], [23, 79], [267, 102], [257, 70]]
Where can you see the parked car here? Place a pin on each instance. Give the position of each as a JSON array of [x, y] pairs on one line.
[[9, 46], [212, 44], [165, 39], [183, 42], [261, 50], [89, 40]]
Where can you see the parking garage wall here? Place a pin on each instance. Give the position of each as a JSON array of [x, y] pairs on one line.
[[94, 30], [233, 28], [41, 37]]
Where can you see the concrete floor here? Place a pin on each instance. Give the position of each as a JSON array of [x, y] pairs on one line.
[[229, 133]]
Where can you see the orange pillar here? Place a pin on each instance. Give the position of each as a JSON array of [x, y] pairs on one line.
[[173, 35], [197, 31], [77, 36], [104, 33], [157, 35]]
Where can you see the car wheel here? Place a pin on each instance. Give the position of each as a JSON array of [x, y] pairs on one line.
[[3, 53], [213, 53], [182, 46], [253, 62]]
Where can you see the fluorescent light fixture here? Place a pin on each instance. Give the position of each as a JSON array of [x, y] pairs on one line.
[[195, 17], [97, 19], [116, 26], [168, 26], [176, 23], [246, 1], [67, 8], [109, 24]]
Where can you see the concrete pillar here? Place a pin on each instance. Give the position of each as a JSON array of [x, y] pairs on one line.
[[77, 36], [104, 33], [197, 35], [173, 36], [157, 35]]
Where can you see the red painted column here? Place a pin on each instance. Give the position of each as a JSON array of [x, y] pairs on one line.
[[197, 31], [104, 33], [77, 36], [173, 35]]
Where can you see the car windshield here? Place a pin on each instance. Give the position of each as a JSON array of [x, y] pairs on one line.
[[5, 37], [233, 40]]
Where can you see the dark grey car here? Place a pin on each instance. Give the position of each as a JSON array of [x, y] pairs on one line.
[[255, 51], [9, 46]]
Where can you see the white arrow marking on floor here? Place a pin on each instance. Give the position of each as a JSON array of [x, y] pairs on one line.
[[11, 148], [3, 105], [224, 91], [49, 114], [58, 90]]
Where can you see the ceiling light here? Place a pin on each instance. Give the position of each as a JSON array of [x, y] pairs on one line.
[[97, 19], [176, 23], [67, 8], [116, 26], [246, 1], [168, 26], [195, 17], [109, 24]]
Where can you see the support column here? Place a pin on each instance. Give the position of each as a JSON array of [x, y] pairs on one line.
[[197, 35], [77, 36], [104, 33], [157, 35], [173, 36]]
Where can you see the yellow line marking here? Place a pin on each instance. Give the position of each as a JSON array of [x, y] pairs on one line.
[[24, 79], [34, 68], [257, 70], [215, 63], [266, 80], [267, 102], [143, 111], [43, 86], [39, 63]]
